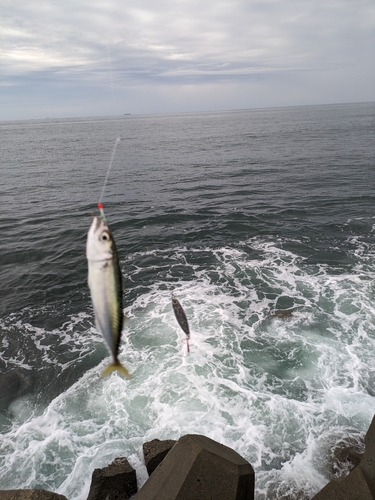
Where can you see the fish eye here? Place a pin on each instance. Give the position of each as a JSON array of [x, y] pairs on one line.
[[105, 236]]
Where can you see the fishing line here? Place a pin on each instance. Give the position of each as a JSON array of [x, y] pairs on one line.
[[100, 204], [110, 72]]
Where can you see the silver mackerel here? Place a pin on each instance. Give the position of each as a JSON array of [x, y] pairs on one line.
[[106, 287]]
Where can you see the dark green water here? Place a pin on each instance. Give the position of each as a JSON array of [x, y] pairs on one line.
[[244, 214]]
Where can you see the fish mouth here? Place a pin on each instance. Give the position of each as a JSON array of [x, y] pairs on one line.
[[97, 226], [98, 221]]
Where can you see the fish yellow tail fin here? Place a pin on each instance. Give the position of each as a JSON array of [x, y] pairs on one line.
[[116, 365]]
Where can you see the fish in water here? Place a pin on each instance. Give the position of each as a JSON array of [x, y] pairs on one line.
[[106, 287], [182, 319]]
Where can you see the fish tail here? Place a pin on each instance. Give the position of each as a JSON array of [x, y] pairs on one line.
[[116, 366]]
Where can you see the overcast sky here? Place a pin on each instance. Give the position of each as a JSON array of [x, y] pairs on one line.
[[63, 58]]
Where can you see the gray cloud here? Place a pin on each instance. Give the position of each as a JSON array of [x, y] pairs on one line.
[[203, 55]]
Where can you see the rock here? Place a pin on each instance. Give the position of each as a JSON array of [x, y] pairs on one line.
[[345, 456], [118, 481], [367, 464], [30, 495], [198, 468], [155, 451], [12, 385], [351, 487], [360, 483], [283, 314]]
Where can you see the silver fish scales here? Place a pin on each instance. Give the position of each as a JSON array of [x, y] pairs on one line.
[[106, 287]]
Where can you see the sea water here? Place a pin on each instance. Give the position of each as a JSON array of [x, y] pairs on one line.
[[260, 221]]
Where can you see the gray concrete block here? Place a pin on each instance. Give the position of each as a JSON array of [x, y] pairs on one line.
[[117, 480], [155, 451], [367, 463], [198, 468]]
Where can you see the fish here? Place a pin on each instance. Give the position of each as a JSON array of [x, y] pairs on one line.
[[181, 319], [106, 288]]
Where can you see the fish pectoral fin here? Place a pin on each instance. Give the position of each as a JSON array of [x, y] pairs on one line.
[[116, 366]]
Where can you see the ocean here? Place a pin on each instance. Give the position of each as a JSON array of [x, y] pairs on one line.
[[262, 222]]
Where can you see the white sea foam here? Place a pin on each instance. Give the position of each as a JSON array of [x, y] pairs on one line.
[[268, 387]]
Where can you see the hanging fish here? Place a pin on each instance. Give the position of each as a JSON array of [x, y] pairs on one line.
[[182, 319], [106, 287], [105, 281]]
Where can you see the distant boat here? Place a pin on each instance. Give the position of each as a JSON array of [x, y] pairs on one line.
[[127, 114]]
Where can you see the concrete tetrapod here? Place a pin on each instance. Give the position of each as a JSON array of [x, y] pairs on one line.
[[117, 480], [198, 468], [155, 451]]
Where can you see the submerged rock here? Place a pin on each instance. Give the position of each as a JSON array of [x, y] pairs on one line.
[[283, 314], [360, 483], [12, 385], [30, 495], [345, 456]]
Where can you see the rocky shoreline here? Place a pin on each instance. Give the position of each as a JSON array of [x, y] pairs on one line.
[[198, 468]]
